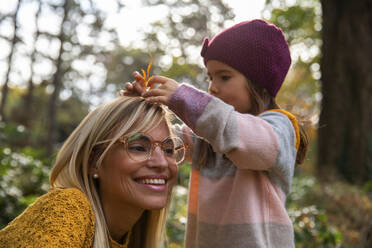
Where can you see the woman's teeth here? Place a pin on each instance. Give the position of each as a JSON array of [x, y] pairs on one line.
[[152, 181]]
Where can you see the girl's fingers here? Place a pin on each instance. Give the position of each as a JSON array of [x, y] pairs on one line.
[[153, 93], [128, 91], [139, 80], [128, 86], [137, 76], [157, 99], [157, 80], [139, 88]]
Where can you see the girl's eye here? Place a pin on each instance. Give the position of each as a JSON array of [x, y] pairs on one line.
[[225, 78]]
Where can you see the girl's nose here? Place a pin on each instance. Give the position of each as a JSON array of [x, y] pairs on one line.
[[157, 158], [213, 89]]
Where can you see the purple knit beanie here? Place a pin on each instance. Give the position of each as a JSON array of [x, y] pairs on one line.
[[256, 49]]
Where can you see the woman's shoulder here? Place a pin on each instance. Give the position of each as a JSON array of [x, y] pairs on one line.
[[60, 218], [66, 205], [70, 196], [68, 201]]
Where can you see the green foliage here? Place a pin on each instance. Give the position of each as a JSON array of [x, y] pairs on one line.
[[184, 174], [12, 134], [16, 133], [24, 173], [23, 178], [367, 188], [311, 225], [312, 229], [177, 215], [177, 37]]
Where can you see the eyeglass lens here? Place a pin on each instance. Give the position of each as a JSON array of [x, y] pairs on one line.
[[140, 147]]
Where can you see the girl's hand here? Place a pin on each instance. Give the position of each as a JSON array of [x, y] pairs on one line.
[[136, 88], [162, 93]]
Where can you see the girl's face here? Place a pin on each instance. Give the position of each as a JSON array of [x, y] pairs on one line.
[[229, 85], [141, 185]]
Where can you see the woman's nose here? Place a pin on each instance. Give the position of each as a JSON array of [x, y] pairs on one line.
[[157, 158]]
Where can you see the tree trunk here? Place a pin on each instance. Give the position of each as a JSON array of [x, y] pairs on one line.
[[57, 83], [345, 125], [28, 98], [5, 88]]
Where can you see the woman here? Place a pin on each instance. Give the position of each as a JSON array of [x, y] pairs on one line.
[[111, 182]]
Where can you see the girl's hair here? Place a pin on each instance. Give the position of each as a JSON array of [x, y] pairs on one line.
[[261, 100], [119, 117]]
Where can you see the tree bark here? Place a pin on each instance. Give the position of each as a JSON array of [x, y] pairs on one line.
[[5, 88], [28, 98], [57, 83], [345, 125]]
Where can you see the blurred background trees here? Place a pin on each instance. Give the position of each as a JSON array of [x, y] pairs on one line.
[[60, 58], [345, 136]]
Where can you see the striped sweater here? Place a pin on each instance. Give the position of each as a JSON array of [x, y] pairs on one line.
[[238, 198]]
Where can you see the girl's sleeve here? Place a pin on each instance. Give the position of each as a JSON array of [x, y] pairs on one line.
[[251, 142], [61, 218]]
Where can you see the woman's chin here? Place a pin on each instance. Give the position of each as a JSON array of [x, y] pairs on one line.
[[156, 205]]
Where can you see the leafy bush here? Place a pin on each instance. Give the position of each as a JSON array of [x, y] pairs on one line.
[[310, 223], [23, 178], [312, 229]]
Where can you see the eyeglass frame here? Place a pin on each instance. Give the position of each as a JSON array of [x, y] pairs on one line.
[[124, 141]]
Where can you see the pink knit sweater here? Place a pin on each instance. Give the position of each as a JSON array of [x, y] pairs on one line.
[[237, 199]]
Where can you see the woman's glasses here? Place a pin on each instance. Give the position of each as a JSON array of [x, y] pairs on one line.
[[139, 147]]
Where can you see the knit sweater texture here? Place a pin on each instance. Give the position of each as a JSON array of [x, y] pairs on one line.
[[60, 218], [237, 199]]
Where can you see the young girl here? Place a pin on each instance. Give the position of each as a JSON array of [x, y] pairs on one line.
[[243, 147]]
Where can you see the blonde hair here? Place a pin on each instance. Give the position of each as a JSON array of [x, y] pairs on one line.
[[121, 116]]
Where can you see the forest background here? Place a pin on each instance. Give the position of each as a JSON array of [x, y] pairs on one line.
[[57, 67]]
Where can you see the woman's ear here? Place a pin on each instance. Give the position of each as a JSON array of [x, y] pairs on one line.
[[93, 171], [93, 157]]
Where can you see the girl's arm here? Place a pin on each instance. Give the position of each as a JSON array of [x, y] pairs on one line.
[[251, 142], [162, 94]]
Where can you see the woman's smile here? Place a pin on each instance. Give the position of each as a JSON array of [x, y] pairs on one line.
[[158, 183]]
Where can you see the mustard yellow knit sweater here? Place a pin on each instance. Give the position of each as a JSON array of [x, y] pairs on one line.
[[60, 218]]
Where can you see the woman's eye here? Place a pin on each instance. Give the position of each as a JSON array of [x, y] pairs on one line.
[[137, 148], [169, 151]]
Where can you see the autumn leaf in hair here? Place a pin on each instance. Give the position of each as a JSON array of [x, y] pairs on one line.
[[146, 76]]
